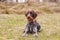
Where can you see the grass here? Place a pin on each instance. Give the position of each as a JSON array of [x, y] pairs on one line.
[[12, 25]]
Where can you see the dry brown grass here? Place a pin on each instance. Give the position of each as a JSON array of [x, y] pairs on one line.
[[22, 8]]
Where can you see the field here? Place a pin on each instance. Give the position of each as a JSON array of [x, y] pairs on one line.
[[12, 25], [13, 21]]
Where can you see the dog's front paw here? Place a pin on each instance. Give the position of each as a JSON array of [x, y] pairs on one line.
[[24, 35], [35, 35]]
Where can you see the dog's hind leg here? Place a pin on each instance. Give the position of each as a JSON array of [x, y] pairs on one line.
[[38, 28]]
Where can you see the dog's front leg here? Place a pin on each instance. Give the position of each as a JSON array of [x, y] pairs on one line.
[[25, 33], [35, 30]]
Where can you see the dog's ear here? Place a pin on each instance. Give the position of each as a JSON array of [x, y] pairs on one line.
[[26, 13], [34, 14]]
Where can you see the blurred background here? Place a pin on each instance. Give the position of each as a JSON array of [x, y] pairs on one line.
[[21, 6]]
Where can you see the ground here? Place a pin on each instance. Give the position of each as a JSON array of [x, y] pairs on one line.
[[12, 26]]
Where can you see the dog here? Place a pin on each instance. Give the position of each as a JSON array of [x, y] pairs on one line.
[[32, 26]]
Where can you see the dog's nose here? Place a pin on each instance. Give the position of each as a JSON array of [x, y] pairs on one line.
[[28, 17]]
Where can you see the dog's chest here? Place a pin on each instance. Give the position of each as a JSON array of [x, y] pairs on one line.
[[31, 27]]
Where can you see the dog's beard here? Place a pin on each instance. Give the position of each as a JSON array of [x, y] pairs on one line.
[[30, 21]]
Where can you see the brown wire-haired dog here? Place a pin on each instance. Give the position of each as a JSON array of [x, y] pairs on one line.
[[32, 26]]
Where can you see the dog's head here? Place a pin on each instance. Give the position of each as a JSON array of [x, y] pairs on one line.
[[31, 15]]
